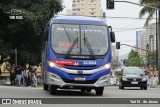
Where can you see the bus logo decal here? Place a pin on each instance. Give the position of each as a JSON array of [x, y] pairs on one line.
[[76, 63]]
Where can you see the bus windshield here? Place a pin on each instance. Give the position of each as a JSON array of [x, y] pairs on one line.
[[79, 39]]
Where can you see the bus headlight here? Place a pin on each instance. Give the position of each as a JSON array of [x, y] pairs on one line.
[[107, 66], [51, 64]]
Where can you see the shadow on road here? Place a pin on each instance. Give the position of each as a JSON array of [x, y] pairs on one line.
[[131, 88], [74, 93]]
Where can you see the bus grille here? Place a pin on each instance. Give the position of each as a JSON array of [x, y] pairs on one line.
[[79, 82]]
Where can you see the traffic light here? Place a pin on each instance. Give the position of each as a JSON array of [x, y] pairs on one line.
[[118, 45], [110, 4]]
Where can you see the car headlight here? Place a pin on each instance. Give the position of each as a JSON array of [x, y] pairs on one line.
[[51, 64], [144, 79], [107, 66]]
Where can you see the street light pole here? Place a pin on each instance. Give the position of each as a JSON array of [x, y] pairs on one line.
[[16, 57], [156, 43], [147, 47]]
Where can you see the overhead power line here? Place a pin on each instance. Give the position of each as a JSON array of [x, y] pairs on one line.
[[113, 17]]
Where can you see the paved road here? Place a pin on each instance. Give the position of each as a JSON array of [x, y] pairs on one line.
[[109, 92]]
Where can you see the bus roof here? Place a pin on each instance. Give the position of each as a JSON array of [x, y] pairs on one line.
[[77, 20]]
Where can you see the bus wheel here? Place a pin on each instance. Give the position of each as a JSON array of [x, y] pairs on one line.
[[53, 90], [99, 91], [45, 86]]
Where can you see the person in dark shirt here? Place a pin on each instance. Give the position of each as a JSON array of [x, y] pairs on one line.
[[12, 75]]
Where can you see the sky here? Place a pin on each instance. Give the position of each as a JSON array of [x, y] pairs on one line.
[[121, 26]]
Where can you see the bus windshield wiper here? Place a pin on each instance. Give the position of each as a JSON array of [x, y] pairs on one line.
[[86, 42], [71, 48], [69, 38]]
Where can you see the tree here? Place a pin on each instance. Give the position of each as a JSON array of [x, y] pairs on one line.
[[147, 10], [134, 59], [26, 34], [151, 57]]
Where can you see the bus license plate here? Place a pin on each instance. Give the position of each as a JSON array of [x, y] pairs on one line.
[[134, 83], [79, 79]]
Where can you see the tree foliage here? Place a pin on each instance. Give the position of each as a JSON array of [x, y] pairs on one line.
[[146, 10], [151, 57], [26, 34], [134, 59]]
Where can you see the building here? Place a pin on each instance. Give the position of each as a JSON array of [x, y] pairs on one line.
[[90, 8], [141, 42], [146, 37], [151, 36]]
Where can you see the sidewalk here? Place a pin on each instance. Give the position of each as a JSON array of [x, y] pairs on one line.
[[153, 82]]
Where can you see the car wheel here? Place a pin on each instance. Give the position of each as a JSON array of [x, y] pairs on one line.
[[53, 90], [99, 91], [45, 86], [141, 88], [121, 86], [145, 88]]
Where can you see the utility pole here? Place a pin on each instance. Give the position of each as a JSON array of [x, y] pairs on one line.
[[16, 57], [147, 47]]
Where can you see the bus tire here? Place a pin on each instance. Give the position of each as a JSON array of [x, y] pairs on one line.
[[53, 90], [99, 91], [45, 86]]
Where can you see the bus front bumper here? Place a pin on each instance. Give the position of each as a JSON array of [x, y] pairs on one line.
[[54, 79]]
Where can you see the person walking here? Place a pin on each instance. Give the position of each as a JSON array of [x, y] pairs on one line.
[[18, 75], [34, 78], [26, 74], [12, 75]]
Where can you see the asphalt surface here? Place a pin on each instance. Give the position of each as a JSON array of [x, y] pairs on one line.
[[109, 92]]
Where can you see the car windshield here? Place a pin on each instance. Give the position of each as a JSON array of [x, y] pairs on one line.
[[79, 39], [132, 71]]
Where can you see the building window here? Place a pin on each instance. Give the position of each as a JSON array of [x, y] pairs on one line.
[[78, 9], [74, 13], [92, 13]]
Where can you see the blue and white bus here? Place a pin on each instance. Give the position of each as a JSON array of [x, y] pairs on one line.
[[76, 54]]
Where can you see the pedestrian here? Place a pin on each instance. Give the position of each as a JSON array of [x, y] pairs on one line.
[[18, 75], [12, 75], [34, 78], [26, 73], [23, 77], [29, 78]]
